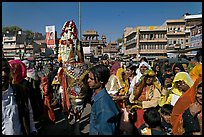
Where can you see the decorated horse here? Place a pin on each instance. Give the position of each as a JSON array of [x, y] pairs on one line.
[[73, 74]]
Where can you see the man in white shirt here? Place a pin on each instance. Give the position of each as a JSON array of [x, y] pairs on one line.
[[17, 116]]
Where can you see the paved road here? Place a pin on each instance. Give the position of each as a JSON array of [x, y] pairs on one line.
[[63, 127]]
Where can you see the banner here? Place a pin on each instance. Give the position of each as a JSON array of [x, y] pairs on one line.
[[50, 36]]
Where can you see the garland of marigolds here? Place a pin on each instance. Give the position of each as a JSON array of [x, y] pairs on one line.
[[67, 41]]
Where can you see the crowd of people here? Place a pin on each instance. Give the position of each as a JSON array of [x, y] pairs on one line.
[[128, 99]]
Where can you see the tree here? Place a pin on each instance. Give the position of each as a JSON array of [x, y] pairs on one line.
[[119, 40], [12, 29], [29, 35]]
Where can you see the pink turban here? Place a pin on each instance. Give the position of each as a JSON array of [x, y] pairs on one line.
[[18, 70]]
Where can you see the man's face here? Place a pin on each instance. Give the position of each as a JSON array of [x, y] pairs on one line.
[[168, 82], [199, 95], [105, 62], [92, 83], [5, 73], [128, 72]]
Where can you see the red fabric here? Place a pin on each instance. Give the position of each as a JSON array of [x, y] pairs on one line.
[[181, 105], [115, 67], [48, 110], [18, 69], [65, 100], [139, 118]]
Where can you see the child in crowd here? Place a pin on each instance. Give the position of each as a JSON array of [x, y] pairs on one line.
[[152, 125], [165, 112]]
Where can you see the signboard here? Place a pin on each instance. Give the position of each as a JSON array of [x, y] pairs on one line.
[[50, 36], [196, 37]]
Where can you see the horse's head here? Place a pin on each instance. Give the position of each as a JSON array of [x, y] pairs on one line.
[[70, 49]]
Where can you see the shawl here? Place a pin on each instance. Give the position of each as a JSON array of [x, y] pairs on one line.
[[141, 86], [181, 76], [181, 105], [196, 72], [123, 83], [115, 67], [139, 74]]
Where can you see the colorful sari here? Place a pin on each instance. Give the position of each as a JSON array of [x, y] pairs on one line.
[[112, 85], [148, 96], [180, 76], [196, 72], [181, 105], [48, 110]]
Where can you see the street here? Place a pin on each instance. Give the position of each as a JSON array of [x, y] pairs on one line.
[[62, 126]]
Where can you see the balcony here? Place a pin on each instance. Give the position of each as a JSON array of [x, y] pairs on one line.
[[153, 40], [152, 51], [174, 32], [132, 41]]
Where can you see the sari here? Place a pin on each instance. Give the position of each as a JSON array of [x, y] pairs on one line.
[[123, 84], [48, 110], [196, 72], [179, 77], [148, 96], [112, 85], [181, 105]]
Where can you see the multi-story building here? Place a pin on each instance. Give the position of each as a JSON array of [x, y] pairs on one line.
[[191, 21], [92, 44], [168, 40], [176, 36], [111, 50], [15, 46], [194, 33], [146, 41]]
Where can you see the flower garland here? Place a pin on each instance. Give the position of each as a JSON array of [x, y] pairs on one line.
[[67, 41]]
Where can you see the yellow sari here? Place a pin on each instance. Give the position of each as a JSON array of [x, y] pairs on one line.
[[179, 76], [196, 72]]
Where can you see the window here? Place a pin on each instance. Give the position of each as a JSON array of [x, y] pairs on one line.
[[179, 41], [151, 36]]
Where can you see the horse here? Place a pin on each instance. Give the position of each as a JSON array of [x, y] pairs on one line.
[[73, 74]]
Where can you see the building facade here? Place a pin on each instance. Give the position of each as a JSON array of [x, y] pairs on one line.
[[15, 46], [146, 41], [168, 40], [94, 46]]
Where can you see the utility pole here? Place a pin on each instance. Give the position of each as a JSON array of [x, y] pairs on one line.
[[79, 21]]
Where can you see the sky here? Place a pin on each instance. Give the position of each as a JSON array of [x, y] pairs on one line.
[[108, 18]]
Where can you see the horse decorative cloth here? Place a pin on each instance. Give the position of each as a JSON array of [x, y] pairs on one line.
[[74, 70]]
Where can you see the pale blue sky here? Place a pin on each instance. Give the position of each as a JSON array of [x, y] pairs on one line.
[[109, 18]]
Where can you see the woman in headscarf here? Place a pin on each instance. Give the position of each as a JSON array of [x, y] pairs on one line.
[[196, 71], [177, 67], [148, 92], [181, 83], [186, 115], [123, 83], [113, 84], [142, 68], [145, 95], [140, 71]]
